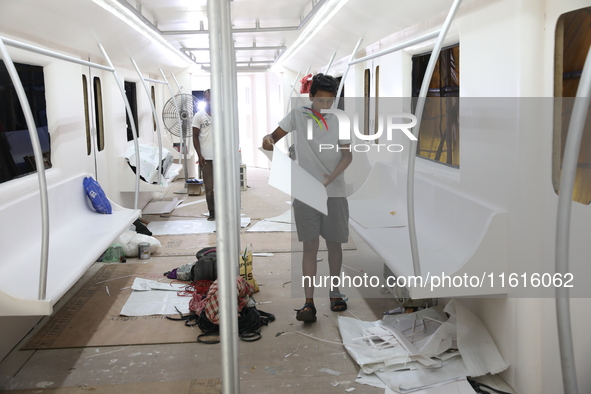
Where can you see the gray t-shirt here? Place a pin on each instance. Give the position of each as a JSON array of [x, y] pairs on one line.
[[319, 155]]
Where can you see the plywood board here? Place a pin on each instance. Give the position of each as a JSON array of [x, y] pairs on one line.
[[196, 386], [267, 242], [91, 317]]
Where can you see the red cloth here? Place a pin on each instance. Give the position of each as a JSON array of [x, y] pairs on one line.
[[306, 84], [201, 287], [211, 305]]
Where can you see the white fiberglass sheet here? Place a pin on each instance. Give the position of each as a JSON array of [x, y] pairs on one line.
[[285, 173], [402, 364], [160, 207], [281, 223], [153, 302]]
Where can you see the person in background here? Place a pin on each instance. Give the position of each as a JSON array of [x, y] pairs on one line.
[[203, 143], [328, 166]]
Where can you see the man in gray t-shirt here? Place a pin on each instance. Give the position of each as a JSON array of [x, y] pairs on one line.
[[327, 165]]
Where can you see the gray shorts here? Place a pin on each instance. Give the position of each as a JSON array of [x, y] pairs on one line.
[[311, 224]]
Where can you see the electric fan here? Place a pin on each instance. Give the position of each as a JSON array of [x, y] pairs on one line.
[[177, 116]]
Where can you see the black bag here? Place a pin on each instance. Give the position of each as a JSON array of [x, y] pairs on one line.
[[206, 266], [250, 321]]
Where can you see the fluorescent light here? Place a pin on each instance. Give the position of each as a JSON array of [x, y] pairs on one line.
[[121, 12], [321, 18]]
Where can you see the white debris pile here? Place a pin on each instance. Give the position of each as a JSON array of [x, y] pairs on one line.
[[414, 351]]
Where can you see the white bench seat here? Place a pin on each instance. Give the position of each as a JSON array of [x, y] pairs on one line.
[[456, 234], [78, 235]]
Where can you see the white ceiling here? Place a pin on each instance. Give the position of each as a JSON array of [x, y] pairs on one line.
[[78, 25]]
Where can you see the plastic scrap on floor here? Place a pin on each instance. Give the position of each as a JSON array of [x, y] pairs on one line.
[[284, 223], [149, 297], [160, 207], [420, 350]]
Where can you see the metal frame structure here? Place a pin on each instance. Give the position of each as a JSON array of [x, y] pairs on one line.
[[317, 5]]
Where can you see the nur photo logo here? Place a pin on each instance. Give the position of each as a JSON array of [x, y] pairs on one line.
[[346, 128]]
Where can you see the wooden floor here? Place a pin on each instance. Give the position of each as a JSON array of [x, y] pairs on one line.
[[291, 357]]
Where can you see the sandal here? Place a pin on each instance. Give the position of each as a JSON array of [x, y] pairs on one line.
[[306, 315], [339, 305]]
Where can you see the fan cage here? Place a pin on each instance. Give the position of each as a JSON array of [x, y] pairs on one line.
[[187, 107]]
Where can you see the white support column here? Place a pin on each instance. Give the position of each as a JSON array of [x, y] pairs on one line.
[[410, 182], [133, 129], [292, 90], [22, 97], [336, 102], [330, 63], [572, 148]]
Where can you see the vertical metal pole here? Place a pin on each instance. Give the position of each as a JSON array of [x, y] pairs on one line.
[[410, 180], [22, 97], [177, 83], [572, 147], [137, 69], [338, 98], [221, 107], [291, 92], [231, 87], [329, 64], [133, 129]]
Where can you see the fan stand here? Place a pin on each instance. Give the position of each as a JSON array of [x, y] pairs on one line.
[[184, 120], [184, 190]]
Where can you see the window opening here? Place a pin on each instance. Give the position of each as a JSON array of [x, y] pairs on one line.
[[377, 101], [366, 95], [153, 96], [98, 112], [86, 115], [573, 38], [130, 92], [439, 137], [16, 151]]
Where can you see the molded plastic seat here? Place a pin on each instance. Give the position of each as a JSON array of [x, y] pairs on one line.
[[78, 235], [456, 234]]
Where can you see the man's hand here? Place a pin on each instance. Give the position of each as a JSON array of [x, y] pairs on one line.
[[327, 179], [268, 142], [202, 162]]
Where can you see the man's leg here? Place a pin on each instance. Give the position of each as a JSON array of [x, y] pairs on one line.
[[335, 263], [309, 266], [208, 182]]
